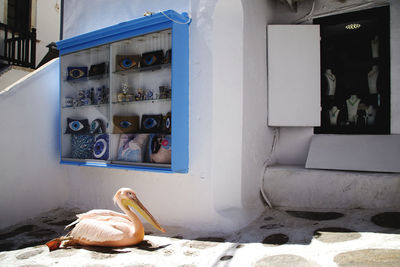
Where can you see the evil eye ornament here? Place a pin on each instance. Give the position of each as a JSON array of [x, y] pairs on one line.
[[126, 63], [125, 124], [150, 59], [100, 148], [167, 123], [150, 123], [149, 95], [76, 73], [76, 126], [96, 127]]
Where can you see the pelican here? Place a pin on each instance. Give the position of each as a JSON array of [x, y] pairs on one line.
[[108, 228]]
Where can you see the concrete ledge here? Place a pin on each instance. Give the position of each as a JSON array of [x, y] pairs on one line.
[[297, 187]]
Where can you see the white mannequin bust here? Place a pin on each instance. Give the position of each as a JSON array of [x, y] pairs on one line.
[[333, 115], [372, 79], [352, 107], [330, 77], [375, 47], [370, 115]]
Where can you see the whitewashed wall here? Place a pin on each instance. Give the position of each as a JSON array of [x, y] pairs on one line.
[[257, 137], [227, 150], [81, 16], [395, 65], [31, 180], [2, 11], [47, 25], [211, 196], [11, 76]]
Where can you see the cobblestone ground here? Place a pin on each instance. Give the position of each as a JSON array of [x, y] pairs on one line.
[[278, 238]]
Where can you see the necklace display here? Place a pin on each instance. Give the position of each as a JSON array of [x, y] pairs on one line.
[[353, 102], [352, 107], [333, 113], [330, 77], [370, 113], [372, 79]]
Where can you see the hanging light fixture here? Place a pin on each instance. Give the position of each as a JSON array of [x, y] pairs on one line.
[[353, 26]]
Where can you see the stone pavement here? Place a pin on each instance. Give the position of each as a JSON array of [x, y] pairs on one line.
[[277, 238]]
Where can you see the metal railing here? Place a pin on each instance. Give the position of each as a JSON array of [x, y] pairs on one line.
[[19, 48]]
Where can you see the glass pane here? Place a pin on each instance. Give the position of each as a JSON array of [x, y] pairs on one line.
[[141, 100], [85, 109]]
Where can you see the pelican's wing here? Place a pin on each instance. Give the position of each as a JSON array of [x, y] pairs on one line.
[[95, 214], [105, 229]]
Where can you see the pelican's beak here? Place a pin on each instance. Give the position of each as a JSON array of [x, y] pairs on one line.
[[137, 205]]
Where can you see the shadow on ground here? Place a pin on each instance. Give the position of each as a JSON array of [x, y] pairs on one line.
[[276, 232]]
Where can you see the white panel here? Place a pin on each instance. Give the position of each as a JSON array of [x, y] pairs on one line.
[[376, 153], [395, 66], [293, 75]]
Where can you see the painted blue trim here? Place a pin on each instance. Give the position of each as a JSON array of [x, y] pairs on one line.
[[155, 22], [116, 166], [60, 130], [180, 96]]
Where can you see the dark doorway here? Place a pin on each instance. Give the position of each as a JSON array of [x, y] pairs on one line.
[[19, 15]]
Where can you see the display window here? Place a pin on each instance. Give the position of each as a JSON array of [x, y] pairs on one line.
[[124, 95], [355, 72]]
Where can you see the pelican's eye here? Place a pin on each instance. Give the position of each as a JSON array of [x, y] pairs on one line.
[[75, 125]]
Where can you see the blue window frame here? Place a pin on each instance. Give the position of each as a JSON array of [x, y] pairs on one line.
[[178, 26]]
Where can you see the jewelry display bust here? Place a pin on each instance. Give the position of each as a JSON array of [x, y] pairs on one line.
[[333, 115], [372, 79], [370, 115], [352, 107], [375, 47], [330, 77]]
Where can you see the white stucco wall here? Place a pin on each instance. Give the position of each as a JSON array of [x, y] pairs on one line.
[[395, 65], [31, 180], [47, 25], [2, 11], [184, 199], [227, 139], [220, 192], [257, 136], [86, 16], [12, 75]]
